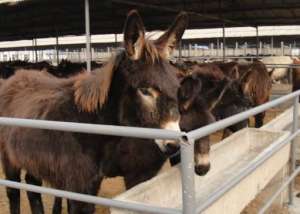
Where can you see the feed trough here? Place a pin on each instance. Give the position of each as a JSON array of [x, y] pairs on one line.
[[229, 158]]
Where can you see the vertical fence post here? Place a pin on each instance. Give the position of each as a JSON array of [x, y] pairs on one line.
[[180, 51], [257, 43], [224, 43], [57, 49], [187, 176], [293, 148], [218, 46], [272, 46], [88, 34]]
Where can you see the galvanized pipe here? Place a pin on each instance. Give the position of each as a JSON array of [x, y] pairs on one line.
[[180, 50], [253, 165], [293, 148], [187, 176], [135, 206], [257, 42], [206, 130], [224, 42], [88, 34], [136, 132], [57, 49], [276, 194]]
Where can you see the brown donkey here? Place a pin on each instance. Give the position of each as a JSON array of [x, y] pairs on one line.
[[257, 85], [137, 87]]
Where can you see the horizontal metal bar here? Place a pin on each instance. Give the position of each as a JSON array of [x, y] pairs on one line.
[[282, 65], [276, 194], [206, 130], [136, 132], [253, 165], [135, 206]]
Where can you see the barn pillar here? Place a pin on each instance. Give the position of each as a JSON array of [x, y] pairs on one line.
[[224, 42], [257, 42], [180, 51], [56, 48], [88, 35], [272, 45]]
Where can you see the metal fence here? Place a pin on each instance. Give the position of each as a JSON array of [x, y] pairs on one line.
[[189, 205]]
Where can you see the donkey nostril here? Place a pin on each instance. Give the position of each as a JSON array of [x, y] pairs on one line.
[[202, 169], [171, 148]]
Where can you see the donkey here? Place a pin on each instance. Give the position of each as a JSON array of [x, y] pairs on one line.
[[257, 85], [255, 81], [137, 87], [234, 101], [201, 96]]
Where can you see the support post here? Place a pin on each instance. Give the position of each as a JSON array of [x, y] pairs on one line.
[[236, 48], [56, 48], [88, 35], [272, 46], [293, 148], [257, 43], [261, 48], [224, 43], [116, 41], [187, 176], [218, 46], [35, 50], [180, 51], [282, 48]]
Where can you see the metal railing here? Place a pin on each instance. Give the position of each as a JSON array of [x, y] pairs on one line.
[[187, 140]]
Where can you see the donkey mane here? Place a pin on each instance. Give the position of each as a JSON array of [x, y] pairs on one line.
[[91, 89]]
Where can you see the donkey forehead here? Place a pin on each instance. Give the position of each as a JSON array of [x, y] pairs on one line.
[[160, 75]]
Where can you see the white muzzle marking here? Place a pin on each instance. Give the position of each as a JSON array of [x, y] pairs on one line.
[[171, 125], [202, 159]]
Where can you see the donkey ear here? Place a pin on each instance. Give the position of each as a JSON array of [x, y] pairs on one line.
[[134, 35], [171, 38]]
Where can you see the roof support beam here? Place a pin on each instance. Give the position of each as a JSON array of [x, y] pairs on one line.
[[168, 9]]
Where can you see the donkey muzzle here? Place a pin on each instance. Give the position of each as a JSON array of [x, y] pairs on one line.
[[169, 146], [202, 164]]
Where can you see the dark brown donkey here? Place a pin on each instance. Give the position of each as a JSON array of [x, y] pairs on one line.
[[137, 87], [255, 80], [202, 100], [256, 84]]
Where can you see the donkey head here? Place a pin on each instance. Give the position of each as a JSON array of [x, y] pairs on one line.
[[148, 80], [195, 113]]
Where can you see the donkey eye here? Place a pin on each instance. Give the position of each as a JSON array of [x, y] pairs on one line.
[[145, 91]]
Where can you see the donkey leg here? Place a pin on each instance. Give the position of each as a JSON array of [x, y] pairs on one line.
[[76, 207], [13, 195], [57, 206], [35, 199], [259, 119]]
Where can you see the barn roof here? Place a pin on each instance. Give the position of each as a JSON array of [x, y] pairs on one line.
[[27, 19]]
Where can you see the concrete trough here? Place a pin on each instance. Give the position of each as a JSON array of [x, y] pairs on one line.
[[283, 122], [228, 158]]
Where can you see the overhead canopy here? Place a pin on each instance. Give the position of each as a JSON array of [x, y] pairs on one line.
[[47, 18]]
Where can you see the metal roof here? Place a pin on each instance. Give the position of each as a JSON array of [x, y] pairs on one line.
[[29, 19]]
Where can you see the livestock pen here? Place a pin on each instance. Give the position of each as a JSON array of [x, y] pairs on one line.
[[278, 143], [189, 204]]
